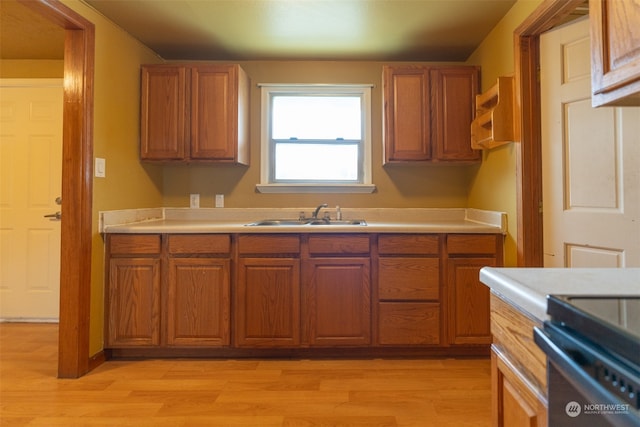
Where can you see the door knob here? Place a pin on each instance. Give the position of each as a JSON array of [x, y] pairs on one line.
[[54, 216]]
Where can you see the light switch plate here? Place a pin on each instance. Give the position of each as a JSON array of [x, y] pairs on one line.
[[219, 200], [100, 167]]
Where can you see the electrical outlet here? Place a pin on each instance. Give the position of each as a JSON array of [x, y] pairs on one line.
[[194, 201], [219, 200]]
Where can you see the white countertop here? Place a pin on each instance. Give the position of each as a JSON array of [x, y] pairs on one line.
[[234, 220], [527, 288]]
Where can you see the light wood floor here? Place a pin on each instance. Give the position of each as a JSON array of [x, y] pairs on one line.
[[260, 393]]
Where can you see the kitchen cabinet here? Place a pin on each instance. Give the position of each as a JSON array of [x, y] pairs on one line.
[[615, 57], [454, 90], [194, 113], [518, 369], [133, 291], [196, 294], [337, 290], [428, 113], [267, 294], [408, 284], [468, 303], [198, 301]]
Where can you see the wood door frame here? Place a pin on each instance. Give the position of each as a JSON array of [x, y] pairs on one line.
[[77, 185], [529, 151]]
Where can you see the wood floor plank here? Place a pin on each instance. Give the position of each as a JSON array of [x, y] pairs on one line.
[[248, 393]]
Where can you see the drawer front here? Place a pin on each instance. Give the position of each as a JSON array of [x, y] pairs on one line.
[[405, 323], [471, 244], [134, 244], [199, 244], [409, 279], [339, 244], [274, 244], [409, 244]]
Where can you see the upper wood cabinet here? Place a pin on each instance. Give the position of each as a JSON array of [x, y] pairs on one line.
[[194, 113], [428, 113], [615, 52]]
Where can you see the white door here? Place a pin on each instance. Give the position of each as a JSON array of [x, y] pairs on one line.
[[30, 182], [590, 160]]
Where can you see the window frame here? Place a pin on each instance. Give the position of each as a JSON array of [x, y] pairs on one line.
[[267, 153]]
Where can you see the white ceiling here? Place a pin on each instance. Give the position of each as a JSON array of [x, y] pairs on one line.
[[377, 30]]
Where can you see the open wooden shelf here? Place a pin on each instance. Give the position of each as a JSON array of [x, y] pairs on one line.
[[493, 125]]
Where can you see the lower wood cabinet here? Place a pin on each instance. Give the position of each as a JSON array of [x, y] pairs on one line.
[[468, 302], [133, 291], [133, 302], [408, 285], [198, 303], [337, 301], [514, 404], [173, 294], [181, 292], [267, 302]]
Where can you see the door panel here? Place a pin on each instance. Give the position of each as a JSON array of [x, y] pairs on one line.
[[30, 181], [591, 159]]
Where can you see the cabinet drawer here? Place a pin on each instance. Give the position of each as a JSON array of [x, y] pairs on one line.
[[397, 244], [134, 244], [406, 323], [268, 244], [471, 244], [199, 244], [409, 278], [339, 244]]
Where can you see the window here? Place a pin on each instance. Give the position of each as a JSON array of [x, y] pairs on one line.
[[316, 138]]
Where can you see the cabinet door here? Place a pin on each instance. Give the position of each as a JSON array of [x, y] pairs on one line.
[[615, 57], [468, 301], [513, 403], [198, 303], [453, 95], [134, 302], [163, 115], [267, 302], [407, 115], [337, 301], [213, 116]]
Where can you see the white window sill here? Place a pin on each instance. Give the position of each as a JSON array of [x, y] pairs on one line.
[[316, 188]]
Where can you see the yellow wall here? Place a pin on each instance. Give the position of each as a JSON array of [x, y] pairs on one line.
[[397, 186], [494, 185], [116, 122]]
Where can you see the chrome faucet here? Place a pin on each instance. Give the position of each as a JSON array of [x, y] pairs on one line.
[[315, 213]]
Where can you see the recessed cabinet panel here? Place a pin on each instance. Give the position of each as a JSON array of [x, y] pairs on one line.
[[337, 301], [409, 323], [134, 302], [267, 302], [164, 132], [198, 302], [409, 278], [407, 114]]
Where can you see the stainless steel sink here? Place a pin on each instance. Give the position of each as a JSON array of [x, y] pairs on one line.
[[360, 222], [279, 222], [306, 221]]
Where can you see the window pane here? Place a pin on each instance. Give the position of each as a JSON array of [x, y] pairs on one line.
[[322, 162], [316, 117]]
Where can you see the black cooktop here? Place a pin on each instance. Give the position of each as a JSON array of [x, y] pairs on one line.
[[611, 322]]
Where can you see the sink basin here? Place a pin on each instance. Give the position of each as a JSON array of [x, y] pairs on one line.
[[279, 222], [307, 221], [338, 222]]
